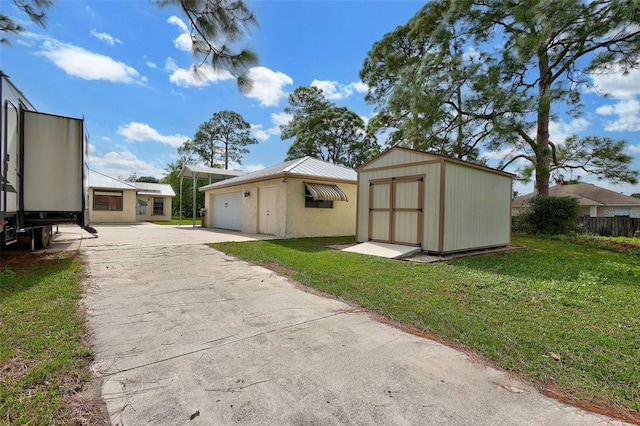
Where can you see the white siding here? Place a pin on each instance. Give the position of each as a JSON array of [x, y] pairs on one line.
[[477, 208]]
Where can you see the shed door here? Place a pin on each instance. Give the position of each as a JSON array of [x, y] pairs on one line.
[[266, 207], [396, 210], [227, 211]]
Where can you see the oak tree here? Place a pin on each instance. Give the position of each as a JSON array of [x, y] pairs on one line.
[[323, 130], [497, 73]]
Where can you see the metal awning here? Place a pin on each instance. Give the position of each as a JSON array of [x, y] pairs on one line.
[[325, 192]]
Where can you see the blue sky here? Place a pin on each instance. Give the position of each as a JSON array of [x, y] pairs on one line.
[[124, 66]]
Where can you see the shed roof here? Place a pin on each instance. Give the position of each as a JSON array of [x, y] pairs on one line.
[[308, 167], [445, 158], [587, 194]]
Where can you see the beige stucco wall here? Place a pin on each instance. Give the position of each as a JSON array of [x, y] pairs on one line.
[[250, 207], [149, 209], [312, 222], [126, 215], [292, 219]]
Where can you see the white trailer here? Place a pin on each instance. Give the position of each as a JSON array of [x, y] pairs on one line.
[[44, 175]]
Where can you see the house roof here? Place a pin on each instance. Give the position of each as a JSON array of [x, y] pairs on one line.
[[587, 195], [308, 167], [99, 180], [161, 189], [202, 172], [102, 181]]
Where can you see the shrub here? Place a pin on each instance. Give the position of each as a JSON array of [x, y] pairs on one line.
[[549, 215]]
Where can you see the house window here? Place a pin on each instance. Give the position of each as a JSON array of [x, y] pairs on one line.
[[158, 206], [107, 200], [309, 202]]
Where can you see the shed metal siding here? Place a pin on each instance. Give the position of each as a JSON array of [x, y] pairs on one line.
[[477, 208], [465, 206]]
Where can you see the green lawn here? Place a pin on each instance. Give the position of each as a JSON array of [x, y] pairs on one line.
[[43, 361], [563, 313], [177, 221]]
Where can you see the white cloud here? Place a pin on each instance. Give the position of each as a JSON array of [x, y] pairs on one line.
[[140, 132], [107, 38], [79, 62], [618, 85], [183, 42], [281, 118], [253, 167], [559, 131], [151, 64], [124, 164], [201, 76], [628, 113], [635, 149], [277, 119], [335, 91], [259, 133], [498, 155], [268, 85]]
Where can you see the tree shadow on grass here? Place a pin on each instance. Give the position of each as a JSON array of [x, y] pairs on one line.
[[310, 245]]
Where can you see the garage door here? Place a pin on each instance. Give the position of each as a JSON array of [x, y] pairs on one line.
[[227, 211]]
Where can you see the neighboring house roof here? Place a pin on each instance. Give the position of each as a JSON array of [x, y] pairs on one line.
[[307, 167], [99, 180], [202, 172], [586, 193], [161, 189]]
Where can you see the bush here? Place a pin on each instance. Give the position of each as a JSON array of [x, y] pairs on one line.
[[549, 215]]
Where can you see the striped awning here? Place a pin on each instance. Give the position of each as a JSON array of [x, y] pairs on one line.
[[325, 192]]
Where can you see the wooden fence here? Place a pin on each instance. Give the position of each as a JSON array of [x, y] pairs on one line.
[[618, 226]]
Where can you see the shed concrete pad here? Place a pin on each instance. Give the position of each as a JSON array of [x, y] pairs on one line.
[[391, 251]]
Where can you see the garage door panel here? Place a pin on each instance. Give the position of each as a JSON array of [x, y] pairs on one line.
[[227, 211]]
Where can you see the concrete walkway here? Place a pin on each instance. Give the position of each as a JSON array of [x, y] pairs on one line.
[[183, 335]]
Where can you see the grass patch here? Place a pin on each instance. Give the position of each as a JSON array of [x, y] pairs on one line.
[[177, 221], [560, 314], [43, 361]]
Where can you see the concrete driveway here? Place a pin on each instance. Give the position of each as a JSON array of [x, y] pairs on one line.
[[185, 335]]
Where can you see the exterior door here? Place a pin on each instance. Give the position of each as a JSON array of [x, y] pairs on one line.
[[141, 208], [266, 209], [396, 210]]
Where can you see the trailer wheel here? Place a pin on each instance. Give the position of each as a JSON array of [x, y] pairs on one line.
[[42, 237]]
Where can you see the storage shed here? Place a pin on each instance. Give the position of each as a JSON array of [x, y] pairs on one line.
[[306, 197], [439, 203]]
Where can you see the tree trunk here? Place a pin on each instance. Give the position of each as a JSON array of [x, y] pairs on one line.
[[542, 151]]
